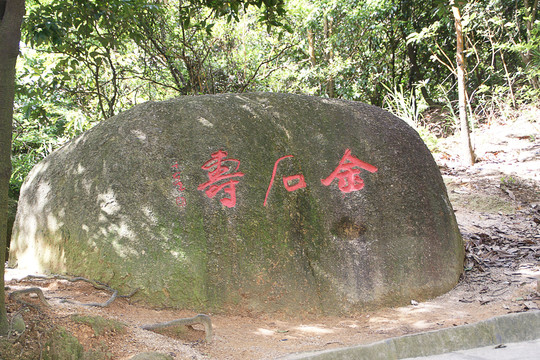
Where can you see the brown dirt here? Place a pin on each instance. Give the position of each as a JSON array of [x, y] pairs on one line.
[[497, 203]]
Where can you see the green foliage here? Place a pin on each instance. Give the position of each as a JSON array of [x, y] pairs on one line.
[[405, 106], [44, 116], [501, 46], [508, 181]]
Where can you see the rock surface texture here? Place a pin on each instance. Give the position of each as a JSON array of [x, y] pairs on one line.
[[261, 202]]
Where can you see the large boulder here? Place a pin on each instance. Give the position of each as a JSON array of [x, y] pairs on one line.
[[263, 202]]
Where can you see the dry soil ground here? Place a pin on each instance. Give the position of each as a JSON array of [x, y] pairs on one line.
[[497, 204]]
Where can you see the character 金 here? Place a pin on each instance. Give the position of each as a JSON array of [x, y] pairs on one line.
[[348, 173], [217, 172], [291, 183]]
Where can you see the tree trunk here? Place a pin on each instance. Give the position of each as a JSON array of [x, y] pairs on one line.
[[467, 149], [329, 55], [11, 15], [311, 47], [413, 73]]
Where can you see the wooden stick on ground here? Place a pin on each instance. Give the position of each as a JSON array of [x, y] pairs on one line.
[[199, 319]]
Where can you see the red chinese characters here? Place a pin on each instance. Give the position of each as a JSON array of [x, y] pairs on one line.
[[217, 172], [348, 173], [223, 175], [179, 186], [291, 183]]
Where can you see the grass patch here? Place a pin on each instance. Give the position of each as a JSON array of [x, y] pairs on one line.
[[99, 325], [482, 203]]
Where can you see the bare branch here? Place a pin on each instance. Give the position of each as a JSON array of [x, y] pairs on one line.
[[246, 84]]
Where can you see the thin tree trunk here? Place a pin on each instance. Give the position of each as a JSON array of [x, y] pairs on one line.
[[311, 47], [509, 80], [11, 15], [530, 12], [467, 149], [329, 56], [413, 73]]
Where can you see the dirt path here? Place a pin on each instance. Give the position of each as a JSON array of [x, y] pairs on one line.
[[497, 203]]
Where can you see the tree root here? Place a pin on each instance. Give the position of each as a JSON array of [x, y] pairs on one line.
[[104, 304], [199, 319], [96, 284], [15, 295]]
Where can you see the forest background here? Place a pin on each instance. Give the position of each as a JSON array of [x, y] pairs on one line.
[[84, 61]]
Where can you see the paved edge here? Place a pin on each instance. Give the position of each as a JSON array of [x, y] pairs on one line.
[[501, 329]]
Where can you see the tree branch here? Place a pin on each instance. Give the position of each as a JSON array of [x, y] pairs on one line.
[[246, 84], [199, 319]]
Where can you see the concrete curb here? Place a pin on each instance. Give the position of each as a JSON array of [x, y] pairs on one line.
[[501, 329]]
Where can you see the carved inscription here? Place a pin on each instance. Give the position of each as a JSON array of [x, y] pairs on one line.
[[223, 175]]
